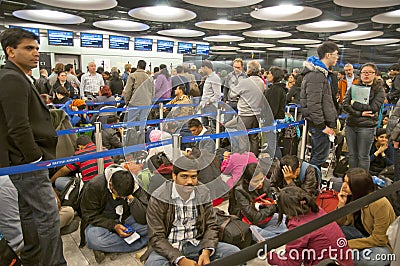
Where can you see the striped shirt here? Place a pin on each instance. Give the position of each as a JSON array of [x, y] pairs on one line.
[[184, 225], [88, 168]]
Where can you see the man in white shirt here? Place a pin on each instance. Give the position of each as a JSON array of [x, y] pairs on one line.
[[91, 81]]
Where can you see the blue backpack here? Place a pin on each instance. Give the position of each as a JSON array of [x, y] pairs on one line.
[[303, 168]]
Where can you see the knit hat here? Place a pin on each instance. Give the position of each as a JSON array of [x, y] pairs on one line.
[[155, 135], [78, 102]]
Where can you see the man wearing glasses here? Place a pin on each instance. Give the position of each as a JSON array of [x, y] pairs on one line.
[[317, 101]]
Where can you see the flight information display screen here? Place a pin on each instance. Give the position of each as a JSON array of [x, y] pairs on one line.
[[165, 46], [63, 38], [91, 40], [185, 48], [33, 30], [202, 49], [119, 42], [143, 44]]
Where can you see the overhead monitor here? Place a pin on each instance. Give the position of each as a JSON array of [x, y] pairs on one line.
[[143, 44], [165, 46], [59, 37], [185, 48], [33, 30], [202, 49], [91, 40], [119, 42]]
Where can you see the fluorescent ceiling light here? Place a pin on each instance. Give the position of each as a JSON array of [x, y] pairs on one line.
[[48, 16], [185, 33], [162, 13], [120, 25], [81, 4]]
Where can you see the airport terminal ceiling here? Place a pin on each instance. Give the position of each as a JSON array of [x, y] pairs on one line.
[[366, 30]]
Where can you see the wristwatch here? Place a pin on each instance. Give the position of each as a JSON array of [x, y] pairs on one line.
[[130, 201]]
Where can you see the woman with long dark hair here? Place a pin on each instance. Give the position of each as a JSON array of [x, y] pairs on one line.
[[366, 228], [362, 117], [262, 216], [310, 249]]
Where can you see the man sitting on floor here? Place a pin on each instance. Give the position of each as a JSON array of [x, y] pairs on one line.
[[114, 210], [182, 225]]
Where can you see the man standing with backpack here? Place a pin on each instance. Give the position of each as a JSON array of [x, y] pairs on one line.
[[317, 101]]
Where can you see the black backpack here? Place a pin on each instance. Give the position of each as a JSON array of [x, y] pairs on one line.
[[341, 167], [233, 230], [71, 194]]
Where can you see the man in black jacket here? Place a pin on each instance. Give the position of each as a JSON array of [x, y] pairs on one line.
[[27, 136], [316, 100], [114, 210]]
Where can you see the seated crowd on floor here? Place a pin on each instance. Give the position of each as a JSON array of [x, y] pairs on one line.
[[166, 200]]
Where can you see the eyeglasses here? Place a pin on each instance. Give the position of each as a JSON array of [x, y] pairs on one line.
[[337, 54], [367, 73]]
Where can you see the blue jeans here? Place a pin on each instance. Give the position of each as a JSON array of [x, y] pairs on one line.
[[271, 229], [139, 115], [192, 252], [368, 256], [320, 147], [359, 141], [209, 121], [40, 221], [100, 238]]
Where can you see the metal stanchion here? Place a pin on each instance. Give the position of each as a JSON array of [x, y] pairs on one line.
[[176, 146], [99, 146], [218, 128], [303, 141], [391, 110], [295, 112], [161, 112]]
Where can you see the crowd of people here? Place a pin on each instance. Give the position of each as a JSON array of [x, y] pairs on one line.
[[163, 200]]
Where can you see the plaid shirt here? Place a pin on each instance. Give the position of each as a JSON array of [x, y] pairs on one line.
[[184, 225], [91, 83]]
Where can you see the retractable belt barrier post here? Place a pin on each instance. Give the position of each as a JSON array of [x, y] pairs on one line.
[[303, 141], [218, 128], [99, 146], [161, 112], [176, 146], [258, 249]]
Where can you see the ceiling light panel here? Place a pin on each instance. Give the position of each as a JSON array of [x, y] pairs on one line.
[[366, 3], [286, 13], [81, 4], [284, 48], [251, 51], [356, 35], [223, 3], [184, 33], [162, 14], [392, 17], [223, 38], [299, 41], [327, 26], [377, 41], [267, 34], [223, 24], [120, 25], [256, 44], [223, 48], [48, 16]]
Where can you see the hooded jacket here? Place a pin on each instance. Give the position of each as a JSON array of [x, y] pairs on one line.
[[316, 95]]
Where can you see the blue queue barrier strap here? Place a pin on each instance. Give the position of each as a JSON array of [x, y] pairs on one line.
[[73, 159], [88, 103], [75, 130], [180, 105], [130, 149]]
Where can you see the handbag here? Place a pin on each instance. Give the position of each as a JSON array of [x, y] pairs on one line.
[[232, 230], [7, 255], [263, 201], [328, 200]]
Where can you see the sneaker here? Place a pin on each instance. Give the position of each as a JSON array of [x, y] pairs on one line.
[[99, 256]]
